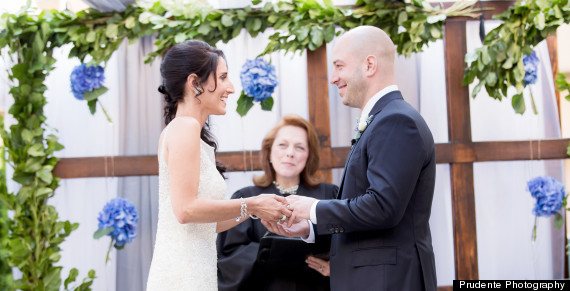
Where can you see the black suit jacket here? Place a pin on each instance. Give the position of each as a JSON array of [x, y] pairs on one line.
[[380, 220]]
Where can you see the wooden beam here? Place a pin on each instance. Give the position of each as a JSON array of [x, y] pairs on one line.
[[457, 152], [318, 90], [462, 186], [470, 152], [118, 166]]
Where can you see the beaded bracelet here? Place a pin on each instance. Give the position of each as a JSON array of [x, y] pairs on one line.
[[243, 210]]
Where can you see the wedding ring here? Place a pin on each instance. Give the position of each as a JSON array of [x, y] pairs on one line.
[[321, 268], [288, 206], [284, 217]]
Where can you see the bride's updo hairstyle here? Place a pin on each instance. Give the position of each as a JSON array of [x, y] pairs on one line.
[[179, 62]]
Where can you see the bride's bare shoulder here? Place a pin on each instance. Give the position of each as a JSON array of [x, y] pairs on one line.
[[185, 123]]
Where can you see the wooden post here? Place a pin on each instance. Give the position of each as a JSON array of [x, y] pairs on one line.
[[319, 105], [459, 126]]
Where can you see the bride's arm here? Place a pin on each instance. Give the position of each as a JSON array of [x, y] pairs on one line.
[[227, 224], [183, 160]]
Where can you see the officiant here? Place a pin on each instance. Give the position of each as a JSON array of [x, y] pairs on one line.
[[290, 160]]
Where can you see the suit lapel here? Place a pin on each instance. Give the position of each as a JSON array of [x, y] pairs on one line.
[[394, 95]]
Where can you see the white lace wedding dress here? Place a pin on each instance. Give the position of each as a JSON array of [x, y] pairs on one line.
[[185, 255]]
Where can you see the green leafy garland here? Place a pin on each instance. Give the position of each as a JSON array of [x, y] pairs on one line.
[[498, 64], [34, 231], [5, 270]]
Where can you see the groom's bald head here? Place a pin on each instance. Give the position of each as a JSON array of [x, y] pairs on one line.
[[363, 41], [363, 61]]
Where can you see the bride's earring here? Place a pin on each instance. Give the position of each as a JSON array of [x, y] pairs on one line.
[[197, 91]]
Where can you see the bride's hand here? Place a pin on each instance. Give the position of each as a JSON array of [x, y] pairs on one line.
[[268, 207]]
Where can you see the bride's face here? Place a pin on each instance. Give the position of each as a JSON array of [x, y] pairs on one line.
[[216, 94], [289, 153]]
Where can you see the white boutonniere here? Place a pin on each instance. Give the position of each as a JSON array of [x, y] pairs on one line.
[[362, 125]]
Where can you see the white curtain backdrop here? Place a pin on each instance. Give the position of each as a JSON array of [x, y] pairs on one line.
[[503, 207]]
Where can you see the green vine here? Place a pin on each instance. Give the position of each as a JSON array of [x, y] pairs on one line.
[[498, 64], [34, 232], [5, 270]]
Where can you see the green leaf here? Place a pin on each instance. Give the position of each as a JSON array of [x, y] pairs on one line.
[[244, 104], [317, 36], [491, 79], [180, 37], [92, 95], [435, 32], [52, 280], [329, 33], [27, 136], [402, 17], [471, 57], [273, 18], [477, 89], [267, 104], [36, 150], [204, 29], [92, 104], [19, 249], [43, 191], [227, 20], [518, 104], [71, 277], [257, 24], [91, 36], [112, 30], [302, 33], [558, 220], [130, 22], [45, 174], [55, 257], [101, 232]]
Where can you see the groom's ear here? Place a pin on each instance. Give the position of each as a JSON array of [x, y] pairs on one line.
[[371, 63]]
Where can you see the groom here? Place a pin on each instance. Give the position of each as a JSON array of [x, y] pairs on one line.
[[380, 221]]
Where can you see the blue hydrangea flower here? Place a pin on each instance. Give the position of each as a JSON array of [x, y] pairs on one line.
[[85, 79], [122, 215], [530, 68], [258, 79], [549, 195]]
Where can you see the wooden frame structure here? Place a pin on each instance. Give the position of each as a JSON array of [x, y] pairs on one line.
[[460, 152]]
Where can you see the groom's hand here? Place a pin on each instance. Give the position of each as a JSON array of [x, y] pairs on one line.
[[301, 206], [298, 228]]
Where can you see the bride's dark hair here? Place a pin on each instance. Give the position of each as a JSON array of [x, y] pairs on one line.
[[180, 61]]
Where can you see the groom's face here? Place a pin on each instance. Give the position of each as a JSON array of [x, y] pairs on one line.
[[347, 75]]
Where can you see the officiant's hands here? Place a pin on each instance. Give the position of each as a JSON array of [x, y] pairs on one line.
[[319, 265], [301, 206], [268, 207], [298, 228]]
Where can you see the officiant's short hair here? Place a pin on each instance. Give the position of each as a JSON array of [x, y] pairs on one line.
[[309, 176]]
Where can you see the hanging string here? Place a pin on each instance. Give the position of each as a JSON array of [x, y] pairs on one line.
[[251, 160], [243, 145]]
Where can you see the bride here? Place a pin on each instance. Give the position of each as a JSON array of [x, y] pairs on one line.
[[192, 189]]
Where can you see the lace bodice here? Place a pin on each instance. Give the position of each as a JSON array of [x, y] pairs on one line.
[[185, 255]]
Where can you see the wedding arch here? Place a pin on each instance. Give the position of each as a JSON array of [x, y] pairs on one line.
[[35, 232]]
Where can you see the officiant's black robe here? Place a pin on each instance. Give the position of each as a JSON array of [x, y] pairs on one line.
[[238, 248]]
